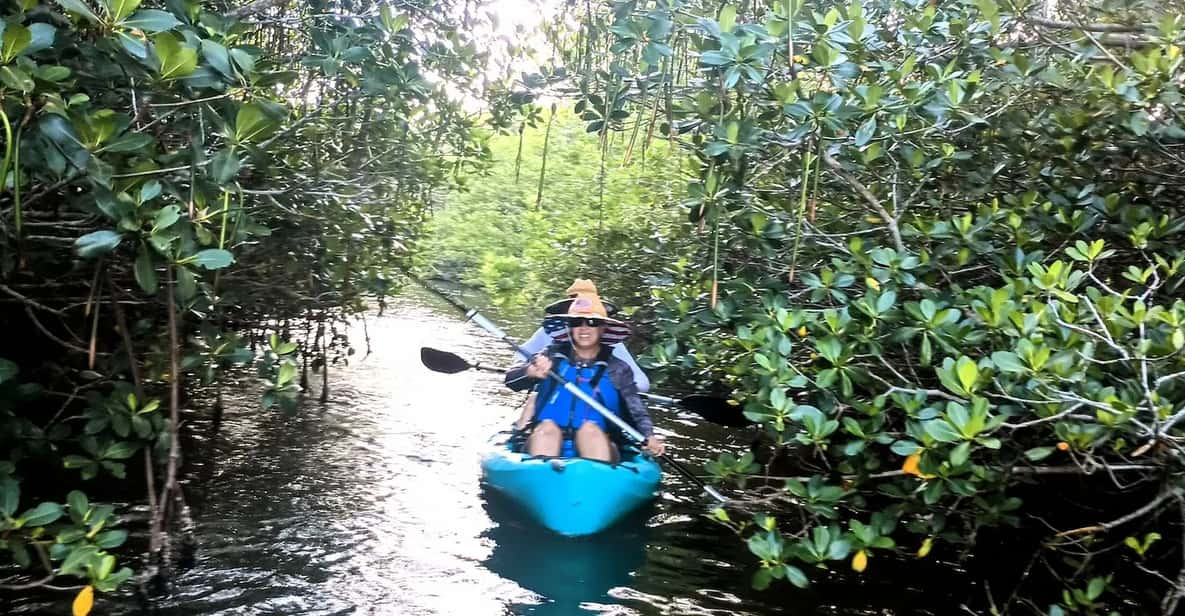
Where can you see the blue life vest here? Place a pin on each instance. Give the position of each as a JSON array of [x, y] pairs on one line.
[[557, 404]]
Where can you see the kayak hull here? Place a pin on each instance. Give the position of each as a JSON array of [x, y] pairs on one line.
[[571, 496]]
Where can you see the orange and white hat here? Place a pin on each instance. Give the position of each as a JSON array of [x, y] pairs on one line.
[[584, 302]]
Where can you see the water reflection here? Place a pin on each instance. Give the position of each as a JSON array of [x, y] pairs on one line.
[[569, 575]]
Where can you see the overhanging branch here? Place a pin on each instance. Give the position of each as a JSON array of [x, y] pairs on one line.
[[870, 198], [1090, 27], [258, 6]]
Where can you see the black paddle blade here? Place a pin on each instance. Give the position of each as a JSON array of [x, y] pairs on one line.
[[443, 361], [716, 410]]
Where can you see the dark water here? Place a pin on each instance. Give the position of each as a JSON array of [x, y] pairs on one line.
[[371, 504]]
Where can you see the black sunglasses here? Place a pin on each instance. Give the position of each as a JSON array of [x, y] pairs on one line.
[[589, 321]]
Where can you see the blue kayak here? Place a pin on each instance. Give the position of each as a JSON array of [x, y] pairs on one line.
[[571, 496]]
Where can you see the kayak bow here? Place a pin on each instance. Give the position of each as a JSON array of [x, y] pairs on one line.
[[571, 496]]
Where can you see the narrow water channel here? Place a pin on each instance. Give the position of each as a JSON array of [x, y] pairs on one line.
[[372, 504]]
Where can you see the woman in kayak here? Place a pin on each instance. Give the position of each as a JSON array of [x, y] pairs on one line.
[[562, 422]]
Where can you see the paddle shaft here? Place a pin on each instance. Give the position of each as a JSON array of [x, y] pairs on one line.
[[496, 370], [634, 435]]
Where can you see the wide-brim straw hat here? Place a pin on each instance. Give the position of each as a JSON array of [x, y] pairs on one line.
[[584, 301]]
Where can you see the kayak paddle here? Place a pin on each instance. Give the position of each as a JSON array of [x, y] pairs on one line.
[[628, 430], [715, 410]]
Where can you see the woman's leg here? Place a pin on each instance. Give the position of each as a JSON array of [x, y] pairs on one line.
[[593, 443], [545, 440]]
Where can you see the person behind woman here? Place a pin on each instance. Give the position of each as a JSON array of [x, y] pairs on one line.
[[562, 423], [555, 327]]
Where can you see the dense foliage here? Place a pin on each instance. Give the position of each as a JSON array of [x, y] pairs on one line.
[[557, 204], [945, 260], [188, 187]]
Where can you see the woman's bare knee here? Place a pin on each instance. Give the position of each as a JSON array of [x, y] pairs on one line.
[[593, 443], [545, 439]]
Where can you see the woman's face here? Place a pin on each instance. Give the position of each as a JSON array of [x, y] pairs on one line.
[[585, 335]]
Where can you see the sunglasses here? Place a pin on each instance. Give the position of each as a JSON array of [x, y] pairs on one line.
[[589, 321]]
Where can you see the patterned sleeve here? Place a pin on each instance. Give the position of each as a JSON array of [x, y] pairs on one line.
[[640, 378], [538, 342], [623, 380]]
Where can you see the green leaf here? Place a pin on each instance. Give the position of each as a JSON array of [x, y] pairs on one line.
[[145, 270], [10, 496], [211, 258], [186, 284], [244, 60], [106, 566], [218, 57], [946, 374], [225, 167], [1095, 589], [762, 579], [287, 374], [960, 454], [111, 539], [728, 17], [15, 40], [45, 513], [97, 243], [134, 47], [43, 38], [16, 79], [76, 562], [78, 7], [79, 505], [1007, 361], [149, 191], [957, 415], [52, 73], [905, 448], [176, 60], [839, 549], [121, 450], [152, 21], [8, 369], [866, 131], [166, 217], [1037, 454], [117, 10], [941, 431], [114, 580], [968, 373], [252, 122], [795, 576]]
